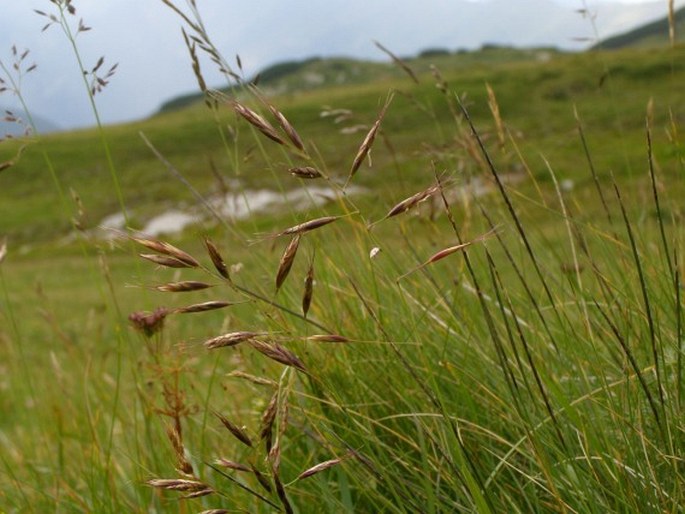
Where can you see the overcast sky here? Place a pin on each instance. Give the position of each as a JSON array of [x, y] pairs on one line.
[[144, 37]]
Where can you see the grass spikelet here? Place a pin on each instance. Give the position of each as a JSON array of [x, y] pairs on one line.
[[217, 259], [237, 432], [286, 262], [399, 62], [409, 203], [494, 109], [328, 338], [182, 287], [205, 306], [289, 130], [3, 250], [215, 511], [445, 252], [368, 141], [323, 466], [165, 260], [263, 481], [8, 164], [305, 172], [280, 491], [307, 226], [252, 378], [268, 419], [258, 122], [230, 339], [276, 352], [177, 484], [225, 463], [169, 250], [183, 466], [308, 289]]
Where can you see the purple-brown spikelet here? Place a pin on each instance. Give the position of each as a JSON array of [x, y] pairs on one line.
[[449, 251], [235, 430], [217, 259], [165, 260], [258, 122], [368, 142], [328, 338], [149, 323], [225, 463], [204, 306], [182, 287], [177, 484], [289, 130], [409, 203], [278, 353], [286, 262], [308, 289], [167, 249], [322, 466], [307, 226], [305, 172], [263, 481], [230, 339]]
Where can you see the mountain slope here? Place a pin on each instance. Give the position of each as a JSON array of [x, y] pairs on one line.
[[651, 34]]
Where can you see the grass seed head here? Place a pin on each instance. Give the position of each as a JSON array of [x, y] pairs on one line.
[[168, 249], [323, 466], [225, 463], [230, 339], [177, 484], [308, 289], [289, 130], [278, 353], [258, 122], [287, 260], [305, 172], [205, 306], [237, 432], [182, 287], [217, 259]]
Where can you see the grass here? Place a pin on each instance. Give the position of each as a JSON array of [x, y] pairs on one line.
[[538, 369]]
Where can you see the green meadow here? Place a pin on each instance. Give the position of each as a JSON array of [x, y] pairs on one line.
[[476, 307]]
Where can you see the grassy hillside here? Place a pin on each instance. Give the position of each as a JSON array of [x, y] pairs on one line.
[[490, 322], [652, 34], [295, 77]]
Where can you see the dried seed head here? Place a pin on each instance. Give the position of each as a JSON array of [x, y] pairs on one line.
[[328, 338], [238, 432], [149, 323], [198, 494], [307, 226], [231, 465], [306, 172], [318, 468], [216, 511], [230, 339], [287, 260], [253, 379], [3, 250], [182, 287], [268, 418], [288, 129], [278, 353], [168, 249], [368, 141], [258, 122], [217, 260], [177, 484], [165, 260], [449, 251], [184, 466], [308, 289], [263, 481], [205, 306]]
